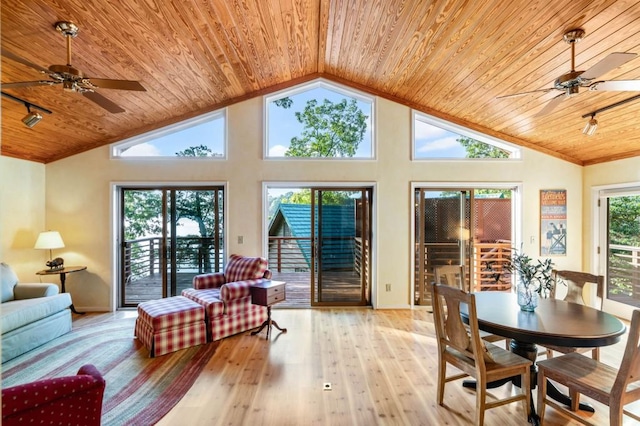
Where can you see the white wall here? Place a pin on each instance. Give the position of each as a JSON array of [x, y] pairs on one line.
[[22, 216], [78, 197]]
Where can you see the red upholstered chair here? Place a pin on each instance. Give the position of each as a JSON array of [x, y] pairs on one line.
[[71, 400], [226, 296]]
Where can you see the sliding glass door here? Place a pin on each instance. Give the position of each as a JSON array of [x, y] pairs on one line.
[[167, 236], [341, 240], [471, 227], [619, 248], [319, 242]]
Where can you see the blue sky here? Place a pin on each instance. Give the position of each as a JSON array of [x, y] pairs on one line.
[[435, 142], [210, 133]]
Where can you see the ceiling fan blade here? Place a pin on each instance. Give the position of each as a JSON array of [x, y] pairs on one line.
[[104, 83], [526, 93], [616, 86], [611, 62], [17, 58], [29, 83], [551, 105], [103, 102]]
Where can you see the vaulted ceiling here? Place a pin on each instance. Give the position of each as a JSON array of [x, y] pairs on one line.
[[449, 58]]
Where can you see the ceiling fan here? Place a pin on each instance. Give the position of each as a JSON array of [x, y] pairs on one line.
[[72, 79], [570, 83]]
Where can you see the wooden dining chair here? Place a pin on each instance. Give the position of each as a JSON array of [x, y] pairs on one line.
[[576, 283], [605, 384], [454, 276], [451, 275], [462, 347]]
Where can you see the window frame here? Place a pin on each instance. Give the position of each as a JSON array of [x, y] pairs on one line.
[[515, 150], [115, 149], [327, 85]]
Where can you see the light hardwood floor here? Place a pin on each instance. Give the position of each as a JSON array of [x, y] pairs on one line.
[[381, 365]]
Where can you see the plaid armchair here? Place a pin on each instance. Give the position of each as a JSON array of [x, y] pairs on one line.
[[71, 400], [226, 296]]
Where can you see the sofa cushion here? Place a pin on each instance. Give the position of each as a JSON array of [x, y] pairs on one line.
[[19, 313], [8, 280], [241, 268]]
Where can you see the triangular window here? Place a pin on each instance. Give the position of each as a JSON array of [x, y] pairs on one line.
[[319, 120], [438, 139], [202, 136]]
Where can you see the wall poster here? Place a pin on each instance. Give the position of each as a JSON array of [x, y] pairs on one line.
[[553, 222]]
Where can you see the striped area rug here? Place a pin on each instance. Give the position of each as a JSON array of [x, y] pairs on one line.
[[140, 390]]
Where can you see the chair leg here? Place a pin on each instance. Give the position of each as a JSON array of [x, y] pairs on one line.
[[525, 380], [542, 395], [575, 399], [442, 370], [549, 353], [481, 396], [615, 412], [595, 354]]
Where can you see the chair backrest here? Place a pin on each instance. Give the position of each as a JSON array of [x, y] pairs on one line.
[[576, 282], [629, 371], [451, 331], [451, 275]]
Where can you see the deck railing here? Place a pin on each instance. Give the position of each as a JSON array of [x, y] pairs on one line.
[[624, 273], [293, 254], [142, 256]]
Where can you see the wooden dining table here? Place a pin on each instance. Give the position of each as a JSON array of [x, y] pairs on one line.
[[554, 322]]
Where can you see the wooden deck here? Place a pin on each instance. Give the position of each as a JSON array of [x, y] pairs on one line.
[[338, 287]]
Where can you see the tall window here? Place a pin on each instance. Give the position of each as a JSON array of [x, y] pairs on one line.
[[203, 136], [438, 139], [319, 120]]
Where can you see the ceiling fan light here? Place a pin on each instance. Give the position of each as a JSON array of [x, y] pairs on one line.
[[68, 86], [590, 128], [32, 119]]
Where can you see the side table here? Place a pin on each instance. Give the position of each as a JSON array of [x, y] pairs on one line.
[[63, 276], [268, 293]]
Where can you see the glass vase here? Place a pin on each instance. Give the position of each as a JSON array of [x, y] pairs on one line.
[[527, 297]]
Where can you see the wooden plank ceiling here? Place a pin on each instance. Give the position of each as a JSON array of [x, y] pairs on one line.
[[448, 58]]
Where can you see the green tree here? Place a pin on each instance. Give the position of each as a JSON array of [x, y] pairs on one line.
[[329, 129], [337, 198], [143, 211], [477, 149], [624, 220]]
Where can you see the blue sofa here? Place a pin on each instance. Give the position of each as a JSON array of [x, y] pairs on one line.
[[31, 314]]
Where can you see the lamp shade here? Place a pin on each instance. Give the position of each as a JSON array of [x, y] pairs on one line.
[[49, 240]]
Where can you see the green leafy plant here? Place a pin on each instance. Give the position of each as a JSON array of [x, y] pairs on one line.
[[536, 275]]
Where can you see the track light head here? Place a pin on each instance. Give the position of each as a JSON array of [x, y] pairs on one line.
[[592, 125], [32, 118]]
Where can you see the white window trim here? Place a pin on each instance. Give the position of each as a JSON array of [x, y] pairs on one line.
[[115, 148], [328, 85], [515, 150]]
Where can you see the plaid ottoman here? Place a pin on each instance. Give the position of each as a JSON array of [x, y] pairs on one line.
[[170, 324]]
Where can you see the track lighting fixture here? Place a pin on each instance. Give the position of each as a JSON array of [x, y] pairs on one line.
[[592, 125], [33, 117]]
